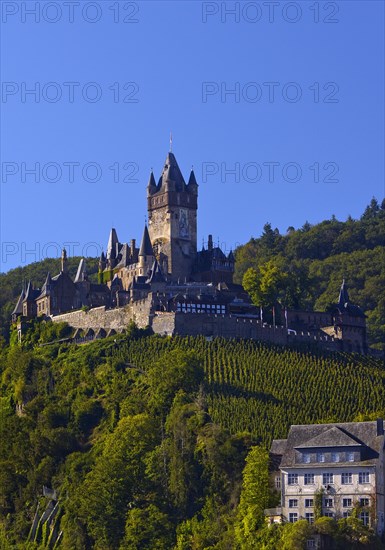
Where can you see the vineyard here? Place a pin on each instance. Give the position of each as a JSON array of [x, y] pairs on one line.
[[145, 438], [264, 389]]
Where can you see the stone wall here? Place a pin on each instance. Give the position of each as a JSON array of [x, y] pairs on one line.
[[194, 324], [98, 317]]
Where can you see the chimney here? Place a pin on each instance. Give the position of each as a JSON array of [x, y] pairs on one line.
[[380, 426], [210, 243], [132, 247]]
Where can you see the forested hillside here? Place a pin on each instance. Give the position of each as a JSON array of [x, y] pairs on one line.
[[304, 268], [153, 442]]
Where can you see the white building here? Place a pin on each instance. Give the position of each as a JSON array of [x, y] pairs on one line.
[[329, 469]]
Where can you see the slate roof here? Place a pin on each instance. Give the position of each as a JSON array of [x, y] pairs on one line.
[[81, 274], [192, 180], [31, 293], [146, 246], [156, 275], [46, 286], [125, 256], [344, 304], [278, 446], [334, 437], [171, 172], [324, 436], [205, 258], [151, 183], [112, 244], [19, 305]]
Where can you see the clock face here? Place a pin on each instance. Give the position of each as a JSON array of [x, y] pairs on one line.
[[183, 224]]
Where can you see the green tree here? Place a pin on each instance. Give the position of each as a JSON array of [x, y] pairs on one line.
[[147, 528], [255, 497], [295, 535]]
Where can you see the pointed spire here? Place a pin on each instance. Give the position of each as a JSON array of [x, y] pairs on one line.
[[46, 288], [151, 187], [231, 257], [18, 310], [146, 246], [29, 292], [344, 296], [81, 274], [64, 260], [112, 242], [192, 180], [172, 177]]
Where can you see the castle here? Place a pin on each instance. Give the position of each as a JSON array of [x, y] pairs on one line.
[[167, 284]]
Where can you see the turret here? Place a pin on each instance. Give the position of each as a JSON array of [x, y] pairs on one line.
[[29, 304], [112, 246], [151, 187], [102, 262], [81, 274], [19, 306], [343, 297], [192, 185], [146, 253], [102, 267]]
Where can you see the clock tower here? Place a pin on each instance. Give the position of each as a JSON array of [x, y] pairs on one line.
[[172, 220]]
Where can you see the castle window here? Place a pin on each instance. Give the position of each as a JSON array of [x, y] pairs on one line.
[[309, 516], [309, 479], [293, 517], [364, 501], [346, 478], [293, 503], [292, 479], [364, 517], [363, 477]]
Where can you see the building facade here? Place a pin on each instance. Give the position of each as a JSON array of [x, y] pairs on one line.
[[331, 470]]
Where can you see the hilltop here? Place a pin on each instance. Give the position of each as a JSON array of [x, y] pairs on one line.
[[314, 260]]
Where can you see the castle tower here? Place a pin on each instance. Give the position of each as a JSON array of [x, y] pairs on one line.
[[146, 253], [172, 220]]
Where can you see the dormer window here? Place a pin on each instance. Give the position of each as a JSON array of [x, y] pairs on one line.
[[320, 457], [306, 458], [335, 457]]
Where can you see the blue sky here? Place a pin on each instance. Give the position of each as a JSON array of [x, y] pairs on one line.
[[280, 113]]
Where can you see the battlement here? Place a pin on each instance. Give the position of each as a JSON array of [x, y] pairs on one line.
[[101, 321]]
